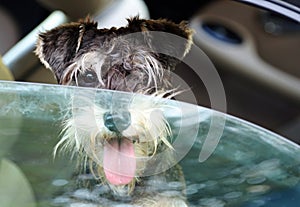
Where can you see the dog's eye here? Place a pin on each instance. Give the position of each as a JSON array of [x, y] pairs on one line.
[[88, 79]]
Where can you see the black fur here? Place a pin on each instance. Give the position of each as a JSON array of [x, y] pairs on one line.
[[57, 47]]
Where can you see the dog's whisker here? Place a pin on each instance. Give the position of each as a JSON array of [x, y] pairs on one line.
[[153, 69], [75, 75], [151, 74], [81, 33]]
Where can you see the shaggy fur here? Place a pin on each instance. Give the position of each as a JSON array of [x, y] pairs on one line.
[[124, 59]]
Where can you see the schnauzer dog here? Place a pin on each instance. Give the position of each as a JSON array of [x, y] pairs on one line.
[[121, 144]]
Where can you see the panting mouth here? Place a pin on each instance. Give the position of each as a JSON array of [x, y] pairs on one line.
[[119, 161]]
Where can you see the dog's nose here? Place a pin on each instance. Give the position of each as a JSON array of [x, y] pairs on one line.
[[117, 121]]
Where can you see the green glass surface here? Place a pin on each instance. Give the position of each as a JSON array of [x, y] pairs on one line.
[[250, 166]]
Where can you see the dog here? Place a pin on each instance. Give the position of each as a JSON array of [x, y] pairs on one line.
[[119, 145]]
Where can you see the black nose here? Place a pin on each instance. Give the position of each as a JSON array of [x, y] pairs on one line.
[[117, 121]]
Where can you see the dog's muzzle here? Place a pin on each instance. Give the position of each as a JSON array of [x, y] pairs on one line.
[[119, 160]]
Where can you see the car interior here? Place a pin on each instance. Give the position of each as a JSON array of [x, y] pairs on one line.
[[255, 50]]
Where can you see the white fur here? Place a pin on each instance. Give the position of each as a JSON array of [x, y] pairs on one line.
[[85, 133]]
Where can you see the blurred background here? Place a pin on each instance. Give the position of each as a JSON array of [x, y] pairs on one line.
[[256, 52]]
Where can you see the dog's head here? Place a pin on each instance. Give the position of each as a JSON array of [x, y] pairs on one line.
[[129, 58], [136, 58]]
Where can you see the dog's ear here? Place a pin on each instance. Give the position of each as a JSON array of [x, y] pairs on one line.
[[171, 41], [56, 48]]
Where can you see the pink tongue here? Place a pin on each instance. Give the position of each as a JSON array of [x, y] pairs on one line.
[[119, 162]]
